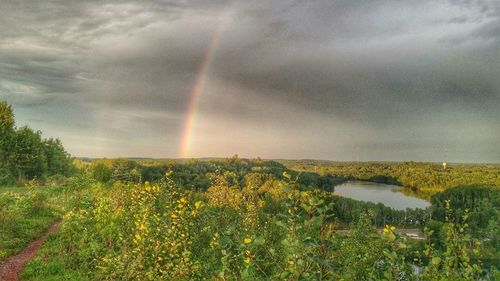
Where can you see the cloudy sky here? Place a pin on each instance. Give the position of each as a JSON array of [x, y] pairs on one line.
[[324, 79]]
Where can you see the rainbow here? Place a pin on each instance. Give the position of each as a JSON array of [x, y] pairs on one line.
[[197, 90]]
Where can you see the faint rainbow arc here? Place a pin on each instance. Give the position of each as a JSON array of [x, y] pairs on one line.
[[197, 90]]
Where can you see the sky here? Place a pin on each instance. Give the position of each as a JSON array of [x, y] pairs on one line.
[[346, 80]]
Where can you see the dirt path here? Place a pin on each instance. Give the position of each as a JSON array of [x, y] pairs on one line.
[[11, 268]]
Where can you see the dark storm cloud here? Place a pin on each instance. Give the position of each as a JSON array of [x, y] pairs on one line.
[[347, 80]]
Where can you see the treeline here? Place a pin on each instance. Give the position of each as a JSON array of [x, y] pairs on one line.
[[424, 178], [348, 211], [195, 174], [25, 155]]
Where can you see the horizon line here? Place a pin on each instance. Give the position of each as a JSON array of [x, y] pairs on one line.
[[276, 159]]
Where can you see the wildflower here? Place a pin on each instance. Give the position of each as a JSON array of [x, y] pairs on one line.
[[247, 260], [389, 228], [247, 240], [197, 205]]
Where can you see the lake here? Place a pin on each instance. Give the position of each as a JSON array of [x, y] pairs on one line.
[[386, 194]]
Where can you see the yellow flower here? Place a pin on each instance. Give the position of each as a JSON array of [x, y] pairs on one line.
[[389, 228], [174, 216], [197, 205], [247, 260], [183, 200], [247, 240]]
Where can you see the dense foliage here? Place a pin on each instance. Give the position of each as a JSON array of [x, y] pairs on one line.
[[424, 178], [482, 205], [248, 225], [25, 155]]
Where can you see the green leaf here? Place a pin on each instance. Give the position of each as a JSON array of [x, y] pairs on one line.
[[391, 237], [259, 240]]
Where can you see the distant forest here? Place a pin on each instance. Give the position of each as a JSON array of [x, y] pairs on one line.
[[424, 179]]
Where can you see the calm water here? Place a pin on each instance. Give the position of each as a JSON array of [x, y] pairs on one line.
[[388, 195]]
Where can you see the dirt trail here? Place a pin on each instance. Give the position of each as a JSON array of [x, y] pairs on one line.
[[11, 268]]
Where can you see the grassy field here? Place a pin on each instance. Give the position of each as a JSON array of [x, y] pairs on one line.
[[14, 189], [49, 264], [25, 214]]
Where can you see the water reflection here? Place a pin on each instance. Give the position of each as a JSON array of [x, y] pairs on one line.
[[388, 195]]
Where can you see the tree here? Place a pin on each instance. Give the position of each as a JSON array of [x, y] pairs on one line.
[[6, 118], [6, 140], [27, 157], [58, 160], [125, 170], [101, 172]]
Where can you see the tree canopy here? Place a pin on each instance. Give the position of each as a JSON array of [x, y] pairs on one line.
[[25, 154]]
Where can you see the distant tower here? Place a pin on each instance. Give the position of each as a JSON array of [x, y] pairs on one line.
[[444, 162]]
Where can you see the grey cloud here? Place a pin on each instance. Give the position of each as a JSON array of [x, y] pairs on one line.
[[490, 30], [342, 78]]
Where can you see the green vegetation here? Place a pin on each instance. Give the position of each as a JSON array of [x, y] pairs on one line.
[[482, 205], [24, 155], [14, 189], [249, 225], [24, 215], [239, 219], [424, 179], [27, 209]]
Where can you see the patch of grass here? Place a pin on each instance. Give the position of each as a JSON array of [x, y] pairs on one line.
[[48, 264], [15, 234], [24, 216], [15, 189]]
